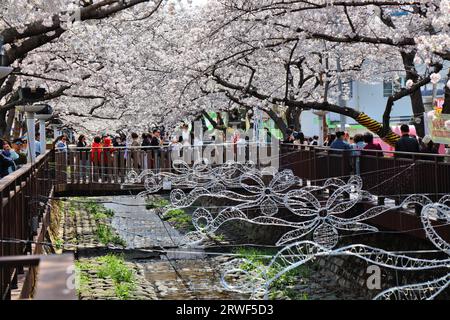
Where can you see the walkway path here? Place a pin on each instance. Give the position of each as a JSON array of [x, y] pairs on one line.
[[139, 227]]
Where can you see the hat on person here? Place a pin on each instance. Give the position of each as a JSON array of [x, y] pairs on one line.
[[18, 141], [426, 139]]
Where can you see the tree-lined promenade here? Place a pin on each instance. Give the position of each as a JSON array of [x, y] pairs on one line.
[[108, 64]]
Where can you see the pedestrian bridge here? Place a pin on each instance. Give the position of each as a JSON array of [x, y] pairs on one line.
[[26, 194], [384, 174]]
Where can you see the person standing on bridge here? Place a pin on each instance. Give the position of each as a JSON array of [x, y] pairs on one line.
[[83, 150], [406, 142], [427, 146], [18, 146], [146, 140], [96, 150], [135, 150], [340, 143], [370, 145], [357, 146], [7, 164], [61, 144], [156, 145]]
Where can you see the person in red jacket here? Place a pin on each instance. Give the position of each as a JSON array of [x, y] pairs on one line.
[[370, 145], [96, 150]]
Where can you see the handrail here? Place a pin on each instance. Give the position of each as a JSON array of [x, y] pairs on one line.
[[21, 216], [137, 148], [55, 275], [206, 143], [10, 178], [367, 150]]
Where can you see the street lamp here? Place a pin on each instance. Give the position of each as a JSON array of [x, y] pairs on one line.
[[322, 123], [43, 115], [30, 111]]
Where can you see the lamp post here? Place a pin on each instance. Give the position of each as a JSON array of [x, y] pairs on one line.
[[43, 115], [322, 123], [30, 110], [342, 102]]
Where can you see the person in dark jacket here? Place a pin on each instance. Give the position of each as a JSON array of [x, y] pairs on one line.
[[298, 135], [6, 161], [146, 140], [82, 144], [156, 140], [406, 142], [429, 147], [289, 137]]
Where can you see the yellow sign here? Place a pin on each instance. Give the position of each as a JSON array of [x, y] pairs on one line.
[[438, 126]]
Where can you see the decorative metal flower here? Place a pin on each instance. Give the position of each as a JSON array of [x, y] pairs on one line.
[[323, 220], [267, 197], [201, 174], [430, 289]]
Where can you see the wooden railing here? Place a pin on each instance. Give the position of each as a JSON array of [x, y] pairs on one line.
[[385, 174], [49, 277], [24, 215], [110, 166]]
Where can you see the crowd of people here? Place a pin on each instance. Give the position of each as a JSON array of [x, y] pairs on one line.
[[364, 143], [14, 154], [359, 143]]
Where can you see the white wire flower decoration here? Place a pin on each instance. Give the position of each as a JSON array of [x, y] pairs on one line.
[[323, 219], [267, 197], [200, 174]]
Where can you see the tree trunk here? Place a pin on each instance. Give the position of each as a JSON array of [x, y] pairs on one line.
[[279, 122], [297, 124], [446, 106], [3, 124], [418, 107], [293, 117]]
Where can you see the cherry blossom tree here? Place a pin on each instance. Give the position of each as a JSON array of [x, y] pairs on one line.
[[27, 26], [137, 64], [269, 41]]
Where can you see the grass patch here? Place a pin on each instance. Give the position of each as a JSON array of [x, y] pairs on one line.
[[114, 267], [179, 219], [105, 235], [104, 232], [260, 258], [83, 278], [156, 203], [98, 210], [217, 237], [109, 267]]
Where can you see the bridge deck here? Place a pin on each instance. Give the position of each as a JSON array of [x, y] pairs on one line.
[[23, 213]]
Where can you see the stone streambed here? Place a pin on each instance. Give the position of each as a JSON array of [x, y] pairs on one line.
[[175, 275]]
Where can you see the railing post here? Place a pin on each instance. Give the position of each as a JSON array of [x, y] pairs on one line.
[[414, 159], [314, 163], [380, 199], [436, 178], [397, 198], [417, 208]]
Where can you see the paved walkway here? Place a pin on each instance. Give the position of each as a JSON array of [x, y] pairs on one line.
[[139, 227]]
